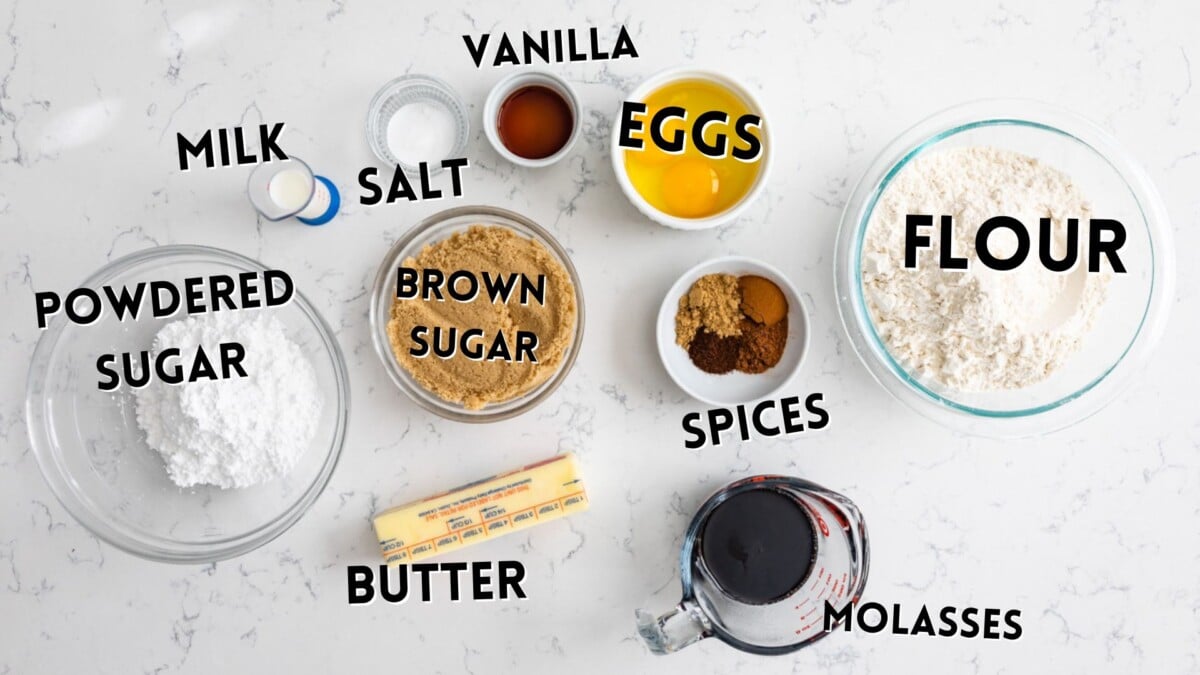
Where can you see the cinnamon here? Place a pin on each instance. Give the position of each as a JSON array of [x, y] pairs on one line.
[[761, 346]]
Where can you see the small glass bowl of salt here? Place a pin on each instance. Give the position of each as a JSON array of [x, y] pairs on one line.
[[415, 119]]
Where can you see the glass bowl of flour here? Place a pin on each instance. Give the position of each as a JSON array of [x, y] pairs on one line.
[[208, 468], [1004, 267]]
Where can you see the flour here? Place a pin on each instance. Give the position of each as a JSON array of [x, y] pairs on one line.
[[233, 432], [979, 329]]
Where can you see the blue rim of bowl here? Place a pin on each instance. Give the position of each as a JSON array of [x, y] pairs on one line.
[[80, 506], [860, 300]]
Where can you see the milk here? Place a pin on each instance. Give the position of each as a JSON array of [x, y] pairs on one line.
[[293, 189]]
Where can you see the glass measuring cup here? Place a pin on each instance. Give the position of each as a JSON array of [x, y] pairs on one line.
[[836, 571], [287, 188]]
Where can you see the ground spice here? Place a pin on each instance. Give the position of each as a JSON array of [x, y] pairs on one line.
[[729, 323], [714, 353], [761, 346], [762, 300], [712, 303]]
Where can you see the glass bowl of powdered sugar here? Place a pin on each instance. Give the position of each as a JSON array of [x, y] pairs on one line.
[[217, 463], [1004, 267]]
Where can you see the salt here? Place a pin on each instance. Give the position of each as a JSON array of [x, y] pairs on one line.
[[422, 131]]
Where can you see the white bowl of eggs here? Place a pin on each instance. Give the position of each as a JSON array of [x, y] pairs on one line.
[[690, 148]]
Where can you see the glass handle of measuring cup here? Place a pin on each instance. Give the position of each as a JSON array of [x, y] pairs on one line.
[[674, 630]]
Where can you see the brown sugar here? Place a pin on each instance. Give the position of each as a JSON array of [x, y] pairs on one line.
[[477, 383], [712, 303]]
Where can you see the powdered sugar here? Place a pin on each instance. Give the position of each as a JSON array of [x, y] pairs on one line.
[[980, 329], [234, 432]]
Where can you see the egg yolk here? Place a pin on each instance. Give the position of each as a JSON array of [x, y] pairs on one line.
[[690, 188], [687, 183]]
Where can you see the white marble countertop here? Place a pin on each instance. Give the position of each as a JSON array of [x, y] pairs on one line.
[[1094, 533]]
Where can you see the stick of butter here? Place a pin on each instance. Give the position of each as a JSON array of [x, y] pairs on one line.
[[481, 510]]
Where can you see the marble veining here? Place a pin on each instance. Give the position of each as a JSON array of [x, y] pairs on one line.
[[1091, 532]]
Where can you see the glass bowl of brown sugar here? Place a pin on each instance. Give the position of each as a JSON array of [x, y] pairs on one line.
[[477, 314]]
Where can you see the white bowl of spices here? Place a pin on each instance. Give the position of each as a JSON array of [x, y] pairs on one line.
[[732, 330], [532, 118]]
